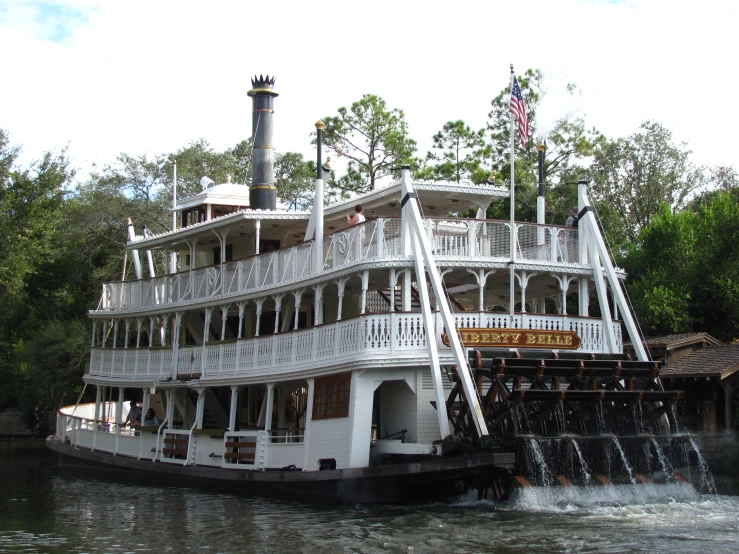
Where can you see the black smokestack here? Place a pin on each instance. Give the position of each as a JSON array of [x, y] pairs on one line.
[[262, 192], [540, 151]]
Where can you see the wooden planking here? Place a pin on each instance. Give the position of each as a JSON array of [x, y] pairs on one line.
[[176, 441], [250, 444], [175, 451], [240, 455]]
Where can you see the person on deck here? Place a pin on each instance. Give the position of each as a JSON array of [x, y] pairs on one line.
[[356, 217], [151, 417], [134, 415], [573, 219]]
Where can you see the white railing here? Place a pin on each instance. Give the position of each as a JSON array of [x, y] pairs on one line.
[[176, 445], [374, 240], [244, 449], [373, 336]]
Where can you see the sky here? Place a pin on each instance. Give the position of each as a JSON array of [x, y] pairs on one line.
[[112, 76]]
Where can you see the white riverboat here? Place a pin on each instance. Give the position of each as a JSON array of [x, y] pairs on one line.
[[286, 351]]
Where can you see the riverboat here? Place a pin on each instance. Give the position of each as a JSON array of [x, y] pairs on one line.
[[415, 353]]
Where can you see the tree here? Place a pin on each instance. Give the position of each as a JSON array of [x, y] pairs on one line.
[[295, 180], [137, 177], [29, 205], [458, 156], [683, 274], [198, 160], [373, 139], [634, 175]]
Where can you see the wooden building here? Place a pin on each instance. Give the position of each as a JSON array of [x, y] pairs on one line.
[[710, 378], [671, 348]]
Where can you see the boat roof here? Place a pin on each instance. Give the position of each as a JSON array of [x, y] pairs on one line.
[[437, 199], [225, 194]]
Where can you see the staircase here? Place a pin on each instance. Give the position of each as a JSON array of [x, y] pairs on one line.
[[214, 416]]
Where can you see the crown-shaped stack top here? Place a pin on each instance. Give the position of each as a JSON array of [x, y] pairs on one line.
[[262, 84]]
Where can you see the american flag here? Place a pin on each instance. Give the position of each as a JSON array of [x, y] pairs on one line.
[[518, 109]]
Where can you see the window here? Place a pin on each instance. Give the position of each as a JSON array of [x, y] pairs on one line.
[[331, 396]]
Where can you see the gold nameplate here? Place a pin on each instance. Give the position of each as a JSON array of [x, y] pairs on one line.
[[516, 338]]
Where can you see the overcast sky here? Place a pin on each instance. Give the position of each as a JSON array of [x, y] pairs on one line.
[[149, 77]]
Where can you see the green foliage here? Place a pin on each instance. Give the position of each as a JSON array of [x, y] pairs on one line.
[[373, 139], [683, 270], [295, 180], [29, 209], [197, 160], [636, 174], [456, 153]]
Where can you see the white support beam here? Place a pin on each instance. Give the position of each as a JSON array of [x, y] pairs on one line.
[[412, 215], [610, 273], [431, 343]]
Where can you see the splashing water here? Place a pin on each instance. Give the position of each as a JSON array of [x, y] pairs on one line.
[[583, 465], [706, 475], [601, 421], [663, 461], [625, 461], [541, 464], [568, 499], [639, 418]]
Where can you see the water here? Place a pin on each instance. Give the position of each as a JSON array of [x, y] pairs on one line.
[[663, 461], [583, 465], [45, 508], [624, 461], [706, 475]]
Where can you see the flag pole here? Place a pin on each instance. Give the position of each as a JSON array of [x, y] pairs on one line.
[[512, 293]]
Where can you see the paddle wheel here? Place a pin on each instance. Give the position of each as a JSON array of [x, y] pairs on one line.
[[572, 420]]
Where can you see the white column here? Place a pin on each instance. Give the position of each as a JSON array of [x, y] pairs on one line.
[[144, 403], [441, 276], [242, 306], [392, 282], [119, 411], [298, 294], [308, 419], [170, 408], [269, 408], [232, 408], [206, 332], [151, 330], [94, 332], [278, 307], [139, 321], [115, 334], [200, 408], [165, 327], [318, 304], [341, 284], [224, 316], [365, 284], [176, 343], [260, 304]]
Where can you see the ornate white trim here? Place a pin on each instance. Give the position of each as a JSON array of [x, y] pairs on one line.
[[195, 228]]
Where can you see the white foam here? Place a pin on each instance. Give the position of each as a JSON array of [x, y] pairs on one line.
[[559, 499]]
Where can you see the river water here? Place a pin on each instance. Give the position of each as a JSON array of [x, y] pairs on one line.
[[47, 508]]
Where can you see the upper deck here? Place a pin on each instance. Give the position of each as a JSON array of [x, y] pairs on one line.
[[470, 243]]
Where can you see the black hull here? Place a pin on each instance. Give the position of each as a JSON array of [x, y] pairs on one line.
[[395, 483]]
